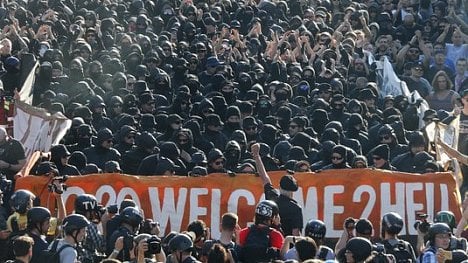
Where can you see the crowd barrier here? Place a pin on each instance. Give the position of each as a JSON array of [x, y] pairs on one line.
[[331, 196]]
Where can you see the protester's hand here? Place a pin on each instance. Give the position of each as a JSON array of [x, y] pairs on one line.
[[255, 149], [119, 243], [142, 247]]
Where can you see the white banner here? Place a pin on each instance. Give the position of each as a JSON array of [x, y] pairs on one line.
[[37, 129], [26, 92], [390, 83]]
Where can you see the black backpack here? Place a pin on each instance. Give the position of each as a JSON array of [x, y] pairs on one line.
[[257, 246], [52, 255], [400, 251]]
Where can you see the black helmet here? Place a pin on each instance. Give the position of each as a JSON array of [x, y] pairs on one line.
[[360, 247], [438, 228], [132, 216], [267, 208], [20, 200], [315, 229], [85, 203], [181, 242], [392, 223], [446, 217], [37, 215], [74, 222]]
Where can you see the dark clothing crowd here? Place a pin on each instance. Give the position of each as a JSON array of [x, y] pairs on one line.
[[187, 88]]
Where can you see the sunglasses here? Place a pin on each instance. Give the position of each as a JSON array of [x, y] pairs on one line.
[[130, 137], [293, 126], [338, 105], [109, 141], [219, 163], [183, 140], [386, 137], [176, 122], [201, 51], [336, 158], [250, 128], [376, 158]]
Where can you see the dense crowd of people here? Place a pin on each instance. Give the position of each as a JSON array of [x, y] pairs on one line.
[[196, 87]]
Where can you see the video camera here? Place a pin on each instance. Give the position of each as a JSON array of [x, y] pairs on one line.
[[154, 245], [422, 224], [53, 188]]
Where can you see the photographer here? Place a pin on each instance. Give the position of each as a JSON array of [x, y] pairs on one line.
[[130, 220], [448, 218], [94, 243], [181, 247], [391, 226], [439, 235]]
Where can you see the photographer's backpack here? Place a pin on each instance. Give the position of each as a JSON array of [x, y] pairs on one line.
[[52, 254], [400, 251], [257, 246]]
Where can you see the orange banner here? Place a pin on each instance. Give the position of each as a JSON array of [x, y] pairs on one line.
[[331, 196]]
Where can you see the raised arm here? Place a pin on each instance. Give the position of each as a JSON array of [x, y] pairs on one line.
[[255, 149]]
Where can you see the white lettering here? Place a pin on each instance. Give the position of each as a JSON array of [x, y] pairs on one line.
[[72, 190], [168, 211], [444, 198], [329, 209], [309, 208], [127, 191], [106, 190], [429, 190], [196, 210], [215, 212], [386, 204], [357, 197], [233, 202], [411, 206]]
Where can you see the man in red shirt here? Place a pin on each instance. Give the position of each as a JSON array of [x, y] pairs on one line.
[[260, 242]]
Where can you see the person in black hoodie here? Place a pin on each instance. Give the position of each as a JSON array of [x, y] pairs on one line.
[[232, 120], [232, 155], [216, 161], [337, 112], [84, 136], [380, 157], [183, 138], [59, 155], [126, 139], [338, 158], [145, 146], [405, 162], [325, 155], [199, 141], [172, 152], [103, 150], [213, 133], [356, 130]]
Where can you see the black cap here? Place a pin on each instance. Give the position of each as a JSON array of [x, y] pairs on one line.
[[288, 183]]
